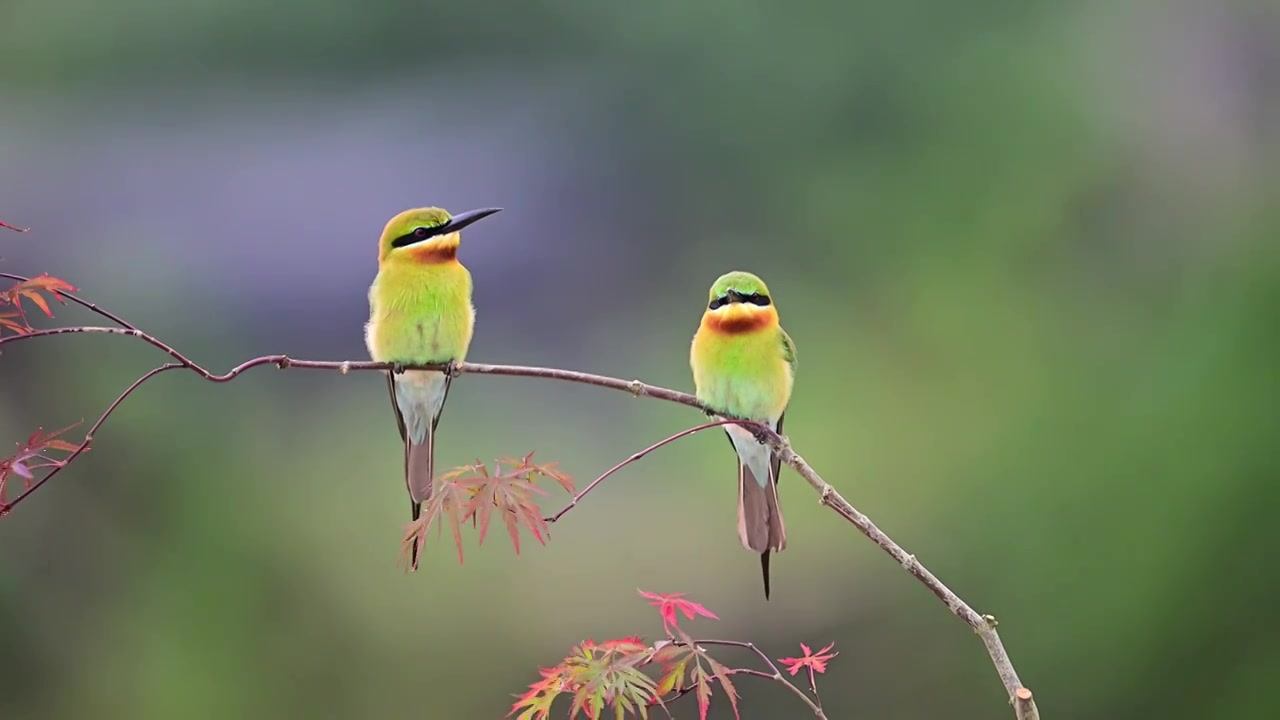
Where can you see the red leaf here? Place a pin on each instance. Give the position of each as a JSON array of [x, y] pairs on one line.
[[32, 288], [703, 692], [816, 662], [473, 492], [33, 455], [722, 674], [669, 603], [15, 322], [537, 700]]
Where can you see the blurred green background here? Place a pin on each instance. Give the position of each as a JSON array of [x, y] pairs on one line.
[[1027, 252]]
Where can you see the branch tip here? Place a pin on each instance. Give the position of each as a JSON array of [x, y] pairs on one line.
[[1024, 705]]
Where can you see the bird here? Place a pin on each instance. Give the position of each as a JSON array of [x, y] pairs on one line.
[[420, 313], [744, 367]]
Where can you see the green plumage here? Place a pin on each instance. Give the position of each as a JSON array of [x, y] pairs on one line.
[[743, 366]]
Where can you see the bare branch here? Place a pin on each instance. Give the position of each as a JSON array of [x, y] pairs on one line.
[[983, 625], [777, 674], [636, 456], [7, 226], [6, 508]]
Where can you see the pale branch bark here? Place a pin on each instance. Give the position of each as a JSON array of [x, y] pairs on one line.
[[983, 625], [1024, 705]]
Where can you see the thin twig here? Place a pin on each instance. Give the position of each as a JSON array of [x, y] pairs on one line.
[[6, 508], [777, 674], [636, 456], [727, 671], [983, 625], [10, 227]]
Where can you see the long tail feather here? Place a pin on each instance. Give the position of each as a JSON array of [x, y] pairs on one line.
[[760, 524], [419, 457]]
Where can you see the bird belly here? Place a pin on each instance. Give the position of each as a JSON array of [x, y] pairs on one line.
[[420, 316], [744, 375], [420, 394], [403, 338], [751, 400], [394, 335]]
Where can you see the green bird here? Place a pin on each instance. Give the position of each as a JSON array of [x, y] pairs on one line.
[[744, 367], [420, 313]]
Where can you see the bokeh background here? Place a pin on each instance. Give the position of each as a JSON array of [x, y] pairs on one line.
[[1027, 252]]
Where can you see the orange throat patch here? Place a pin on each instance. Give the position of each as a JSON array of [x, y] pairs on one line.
[[740, 321], [434, 253]]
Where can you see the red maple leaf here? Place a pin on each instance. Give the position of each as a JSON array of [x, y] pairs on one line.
[[815, 662], [598, 676], [33, 456], [536, 702], [31, 290], [14, 321], [669, 604], [473, 492]]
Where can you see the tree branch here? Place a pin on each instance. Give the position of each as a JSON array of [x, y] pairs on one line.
[[636, 456], [777, 674], [983, 625]]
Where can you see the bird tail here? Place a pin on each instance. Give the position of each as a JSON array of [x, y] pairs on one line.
[[419, 472], [418, 398], [760, 525]]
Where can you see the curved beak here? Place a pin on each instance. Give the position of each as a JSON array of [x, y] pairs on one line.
[[461, 220]]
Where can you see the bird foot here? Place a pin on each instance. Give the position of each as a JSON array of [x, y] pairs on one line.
[[452, 368], [397, 368], [760, 435]]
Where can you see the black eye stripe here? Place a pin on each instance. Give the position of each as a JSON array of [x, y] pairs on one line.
[[418, 234], [754, 298]]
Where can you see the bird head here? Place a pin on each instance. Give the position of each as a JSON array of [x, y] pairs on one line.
[[425, 234], [738, 302]]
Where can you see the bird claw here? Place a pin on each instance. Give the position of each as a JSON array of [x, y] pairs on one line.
[[452, 369], [397, 368], [760, 435]]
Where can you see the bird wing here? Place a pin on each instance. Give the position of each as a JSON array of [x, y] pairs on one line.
[[788, 349]]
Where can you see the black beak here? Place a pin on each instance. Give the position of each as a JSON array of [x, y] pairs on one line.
[[461, 220], [734, 296]]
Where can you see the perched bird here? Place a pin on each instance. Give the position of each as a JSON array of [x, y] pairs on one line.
[[744, 367], [420, 313]]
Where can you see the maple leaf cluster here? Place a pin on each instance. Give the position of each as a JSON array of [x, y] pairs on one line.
[[33, 456], [474, 492], [612, 675], [13, 317]]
